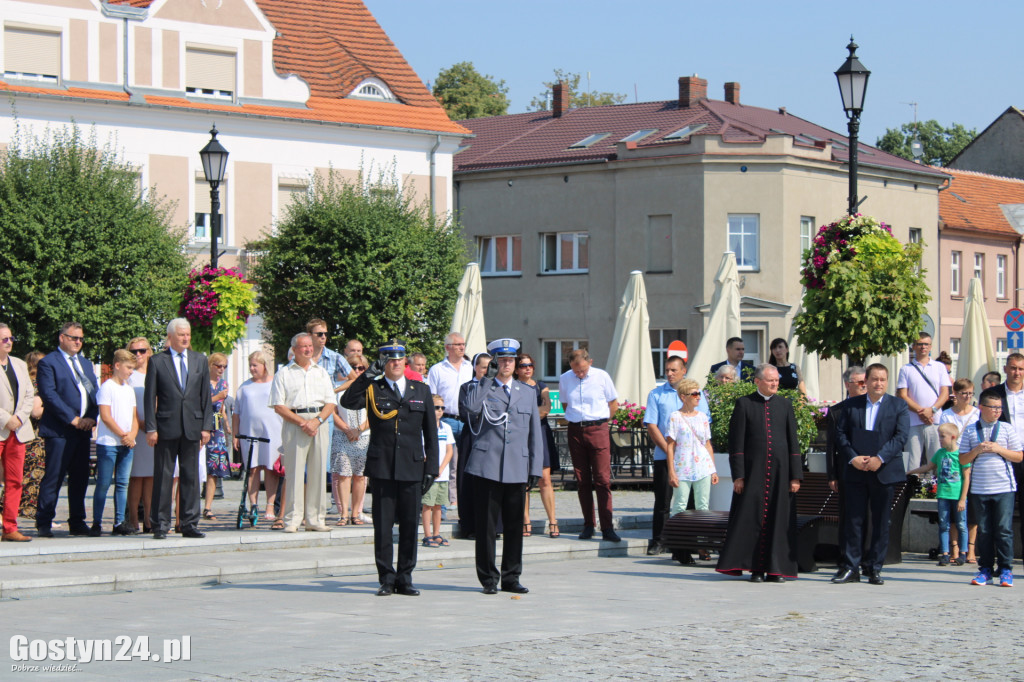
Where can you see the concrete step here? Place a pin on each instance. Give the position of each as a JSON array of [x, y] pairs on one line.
[[193, 566]]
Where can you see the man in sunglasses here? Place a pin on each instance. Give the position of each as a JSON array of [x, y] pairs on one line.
[[333, 362], [67, 385]]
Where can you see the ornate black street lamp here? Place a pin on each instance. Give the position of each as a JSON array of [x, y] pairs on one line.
[[215, 163], [853, 83]]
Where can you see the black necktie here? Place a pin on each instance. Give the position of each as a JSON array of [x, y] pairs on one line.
[[184, 370]]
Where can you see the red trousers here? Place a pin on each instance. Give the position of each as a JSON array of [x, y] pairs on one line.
[[12, 454], [591, 453]]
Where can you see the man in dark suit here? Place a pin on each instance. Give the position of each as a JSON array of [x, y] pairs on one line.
[[402, 460], [870, 434], [67, 386], [179, 419], [856, 385], [507, 458], [734, 351]]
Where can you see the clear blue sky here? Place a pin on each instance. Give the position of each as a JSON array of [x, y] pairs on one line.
[[959, 61]]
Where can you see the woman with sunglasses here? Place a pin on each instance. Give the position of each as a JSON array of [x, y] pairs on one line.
[[349, 444], [524, 373], [217, 465], [140, 483], [691, 459], [963, 414]]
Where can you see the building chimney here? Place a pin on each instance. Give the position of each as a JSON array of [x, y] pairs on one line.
[[732, 93], [559, 98], [691, 90]]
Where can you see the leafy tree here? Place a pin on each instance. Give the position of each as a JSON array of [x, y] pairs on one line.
[[465, 93], [577, 99], [939, 144], [78, 241], [362, 257], [865, 292]]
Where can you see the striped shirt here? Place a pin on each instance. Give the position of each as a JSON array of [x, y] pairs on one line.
[[990, 473]]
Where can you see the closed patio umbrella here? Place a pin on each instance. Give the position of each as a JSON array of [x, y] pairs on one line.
[[976, 356], [723, 320], [468, 318], [630, 363]]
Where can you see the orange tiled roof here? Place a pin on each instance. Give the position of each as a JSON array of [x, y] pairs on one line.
[[333, 45], [973, 199]]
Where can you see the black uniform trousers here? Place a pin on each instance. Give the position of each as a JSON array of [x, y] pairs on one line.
[[662, 499], [493, 499], [164, 454], [395, 502], [860, 497]]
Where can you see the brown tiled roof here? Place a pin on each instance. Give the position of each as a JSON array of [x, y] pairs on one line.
[[333, 45], [973, 201], [538, 138]]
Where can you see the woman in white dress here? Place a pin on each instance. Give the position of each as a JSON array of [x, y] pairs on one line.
[[349, 444], [140, 485], [254, 417]]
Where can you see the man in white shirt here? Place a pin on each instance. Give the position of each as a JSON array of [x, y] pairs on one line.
[[446, 377], [924, 385], [589, 398]]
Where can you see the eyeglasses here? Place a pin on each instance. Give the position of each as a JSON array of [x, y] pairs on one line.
[[695, 394], [438, 408], [220, 366], [77, 339], [138, 351], [857, 383], [319, 333], [994, 407], [9, 339], [524, 365], [360, 368]]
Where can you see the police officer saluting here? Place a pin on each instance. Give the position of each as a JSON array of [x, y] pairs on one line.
[[507, 457], [402, 427]]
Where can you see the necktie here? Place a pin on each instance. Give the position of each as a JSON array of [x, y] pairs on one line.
[[184, 370], [508, 394], [80, 377]]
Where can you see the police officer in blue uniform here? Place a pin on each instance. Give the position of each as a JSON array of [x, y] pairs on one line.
[[402, 459], [506, 458]]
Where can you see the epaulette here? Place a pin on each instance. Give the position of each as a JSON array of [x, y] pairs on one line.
[[379, 377]]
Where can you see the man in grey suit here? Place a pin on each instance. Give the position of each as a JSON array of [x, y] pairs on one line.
[[507, 458], [179, 419]]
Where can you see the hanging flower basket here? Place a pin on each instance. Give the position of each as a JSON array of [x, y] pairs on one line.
[[217, 302]]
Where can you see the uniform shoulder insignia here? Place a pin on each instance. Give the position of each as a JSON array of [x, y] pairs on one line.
[[379, 377]]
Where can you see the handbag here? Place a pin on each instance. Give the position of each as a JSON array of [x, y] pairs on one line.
[[279, 466]]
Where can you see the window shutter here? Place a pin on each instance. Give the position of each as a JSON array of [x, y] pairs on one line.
[[27, 51], [208, 70]]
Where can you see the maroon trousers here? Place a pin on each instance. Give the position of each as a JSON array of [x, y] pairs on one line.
[[591, 454]]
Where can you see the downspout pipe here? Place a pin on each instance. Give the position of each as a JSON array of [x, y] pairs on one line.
[[126, 13], [433, 171]]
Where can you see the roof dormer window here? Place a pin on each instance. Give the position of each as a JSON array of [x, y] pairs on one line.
[[210, 73], [32, 54], [373, 88]]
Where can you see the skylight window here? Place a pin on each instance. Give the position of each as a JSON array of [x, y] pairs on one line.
[[639, 135], [589, 140], [685, 132]]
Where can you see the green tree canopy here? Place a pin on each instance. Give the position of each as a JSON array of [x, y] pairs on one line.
[[79, 241], [577, 99], [465, 93], [939, 144], [363, 257]]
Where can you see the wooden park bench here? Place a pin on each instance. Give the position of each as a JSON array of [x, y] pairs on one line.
[[817, 510]]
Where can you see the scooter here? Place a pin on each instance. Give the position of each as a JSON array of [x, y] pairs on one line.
[[244, 513]]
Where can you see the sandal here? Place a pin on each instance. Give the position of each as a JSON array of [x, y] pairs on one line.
[[527, 529], [553, 530], [358, 521], [971, 559], [278, 524], [343, 521], [440, 541], [703, 555], [208, 515], [430, 542]]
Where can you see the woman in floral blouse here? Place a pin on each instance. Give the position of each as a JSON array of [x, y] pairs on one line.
[[689, 451]]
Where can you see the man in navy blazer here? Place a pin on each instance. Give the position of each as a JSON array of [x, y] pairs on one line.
[[734, 351], [67, 386], [870, 434]]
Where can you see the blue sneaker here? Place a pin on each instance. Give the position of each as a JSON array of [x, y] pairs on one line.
[[984, 575], [1006, 578]]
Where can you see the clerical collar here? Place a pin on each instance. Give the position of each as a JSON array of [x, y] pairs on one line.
[[766, 397]]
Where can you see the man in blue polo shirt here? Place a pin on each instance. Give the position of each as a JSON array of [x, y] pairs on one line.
[[661, 403]]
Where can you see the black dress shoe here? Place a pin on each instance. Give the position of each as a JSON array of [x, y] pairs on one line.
[[490, 589], [846, 575], [588, 532], [610, 535], [757, 577], [159, 535], [192, 533], [386, 591], [79, 530], [775, 579], [95, 531], [516, 587], [44, 533], [653, 548], [407, 590], [875, 579]]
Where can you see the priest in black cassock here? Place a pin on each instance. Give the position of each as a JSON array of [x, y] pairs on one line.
[[764, 455]]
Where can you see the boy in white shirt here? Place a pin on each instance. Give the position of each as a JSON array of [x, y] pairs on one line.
[[115, 437], [437, 495]]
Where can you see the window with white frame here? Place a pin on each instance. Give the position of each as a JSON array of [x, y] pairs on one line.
[[565, 252], [287, 193], [954, 348], [501, 255], [210, 73], [954, 273], [806, 234], [1000, 276], [32, 54], [743, 239], [202, 229], [915, 238], [555, 356], [660, 339], [753, 342], [979, 268]]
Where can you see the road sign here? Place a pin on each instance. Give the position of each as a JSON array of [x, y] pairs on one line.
[[678, 349], [1015, 340], [1014, 320]]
